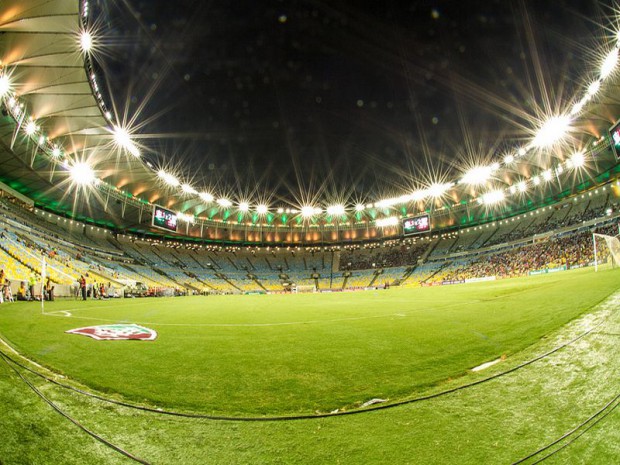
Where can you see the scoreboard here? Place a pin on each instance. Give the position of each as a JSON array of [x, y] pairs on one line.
[[416, 225]]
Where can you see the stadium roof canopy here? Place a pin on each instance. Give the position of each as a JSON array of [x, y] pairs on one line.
[[56, 125]]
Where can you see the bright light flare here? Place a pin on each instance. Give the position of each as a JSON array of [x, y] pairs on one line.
[[31, 128], [262, 209], [82, 174], [188, 189], [522, 186], [552, 131], [123, 139], [86, 41], [508, 159], [244, 207], [493, 197], [437, 190], [5, 85], [594, 88], [359, 208], [225, 203], [206, 197], [386, 222], [609, 64], [478, 175], [307, 211], [336, 210], [578, 159], [168, 178]]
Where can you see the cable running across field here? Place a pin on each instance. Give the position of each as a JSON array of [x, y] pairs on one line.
[[94, 435], [608, 408], [313, 416]]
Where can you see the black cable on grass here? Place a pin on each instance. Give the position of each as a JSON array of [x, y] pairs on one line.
[[307, 417], [608, 408], [71, 419]]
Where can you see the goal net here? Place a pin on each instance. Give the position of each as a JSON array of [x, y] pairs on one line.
[[606, 250], [299, 289]]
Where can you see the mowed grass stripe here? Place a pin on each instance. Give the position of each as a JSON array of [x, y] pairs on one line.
[[303, 353]]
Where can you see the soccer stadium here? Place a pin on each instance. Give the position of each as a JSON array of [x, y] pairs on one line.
[[309, 232]]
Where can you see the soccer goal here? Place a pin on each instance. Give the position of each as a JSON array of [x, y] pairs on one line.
[[606, 250], [300, 289]]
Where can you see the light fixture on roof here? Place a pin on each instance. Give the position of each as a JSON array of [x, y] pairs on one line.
[[244, 206], [594, 88], [336, 210], [522, 186], [477, 175], [56, 152], [188, 189], [168, 178], [508, 159], [82, 174], [386, 222], [5, 85], [262, 209], [436, 190], [31, 128], [225, 203], [493, 197], [86, 41], [609, 63], [206, 197], [359, 208], [547, 175], [123, 139], [307, 211], [578, 159], [552, 131]]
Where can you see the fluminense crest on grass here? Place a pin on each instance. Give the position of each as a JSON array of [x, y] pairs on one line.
[[117, 332]]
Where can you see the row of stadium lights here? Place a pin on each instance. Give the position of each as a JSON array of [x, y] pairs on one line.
[[551, 132]]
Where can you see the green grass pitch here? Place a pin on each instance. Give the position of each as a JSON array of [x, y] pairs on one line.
[[282, 355]]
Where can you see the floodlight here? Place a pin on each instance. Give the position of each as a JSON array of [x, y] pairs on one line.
[[578, 159], [307, 211], [385, 222], [262, 209], [244, 206], [205, 196], [513, 189], [436, 190], [547, 175], [86, 41], [359, 207], [168, 178], [336, 210], [5, 85], [609, 64], [536, 180], [594, 88], [188, 189], [82, 174], [508, 159], [522, 186], [56, 152], [477, 175], [552, 131], [224, 203], [493, 197], [123, 139], [31, 128], [280, 211]]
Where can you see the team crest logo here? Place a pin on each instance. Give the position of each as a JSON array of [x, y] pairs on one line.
[[118, 332]]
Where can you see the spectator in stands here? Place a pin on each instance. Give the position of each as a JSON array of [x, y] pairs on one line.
[[21, 292]]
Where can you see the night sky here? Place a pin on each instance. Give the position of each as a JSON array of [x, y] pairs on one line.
[[339, 99]]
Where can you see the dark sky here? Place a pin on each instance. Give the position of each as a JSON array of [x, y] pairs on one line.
[[339, 99]]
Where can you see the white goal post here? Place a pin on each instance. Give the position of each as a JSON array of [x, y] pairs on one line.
[[302, 288], [606, 250]]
